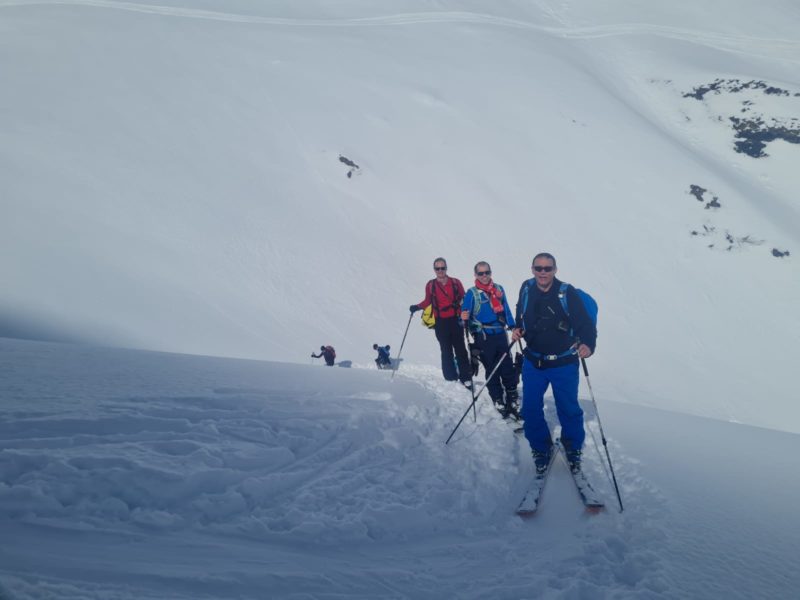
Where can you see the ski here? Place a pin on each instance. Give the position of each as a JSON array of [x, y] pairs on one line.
[[530, 502], [590, 498]]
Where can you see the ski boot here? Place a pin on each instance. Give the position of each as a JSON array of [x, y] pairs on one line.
[[573, 456], [541, 460], [512, 404]]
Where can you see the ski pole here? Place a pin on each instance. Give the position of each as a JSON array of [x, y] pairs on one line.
[[401, 346], [475, 398], [471, 380], [602, 435]]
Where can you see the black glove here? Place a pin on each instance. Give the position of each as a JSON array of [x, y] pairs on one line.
[[413, 308]]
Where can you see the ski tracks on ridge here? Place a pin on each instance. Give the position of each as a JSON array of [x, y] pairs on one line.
[[784, 49]]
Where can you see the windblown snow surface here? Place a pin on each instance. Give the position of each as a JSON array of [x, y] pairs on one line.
[[250, 180], [130, 474]]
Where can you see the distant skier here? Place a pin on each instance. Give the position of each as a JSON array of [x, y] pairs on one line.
[[383, 361], [556, 340], [326, 352], [444, 294]]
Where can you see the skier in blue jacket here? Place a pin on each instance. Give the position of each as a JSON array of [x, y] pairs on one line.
[[556, 341], [486, 313]]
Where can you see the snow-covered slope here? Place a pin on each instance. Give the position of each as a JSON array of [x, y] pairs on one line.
[[172, 178], [138, 475]]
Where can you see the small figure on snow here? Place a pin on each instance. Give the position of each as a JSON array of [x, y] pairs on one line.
[[383, 361], [326, 352]]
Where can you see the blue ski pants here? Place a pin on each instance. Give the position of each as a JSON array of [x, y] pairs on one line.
[[564, 381]]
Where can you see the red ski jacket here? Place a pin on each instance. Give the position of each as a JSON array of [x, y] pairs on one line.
[[446, 299]]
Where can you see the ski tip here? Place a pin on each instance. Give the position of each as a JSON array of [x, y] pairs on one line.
[[595, 509]]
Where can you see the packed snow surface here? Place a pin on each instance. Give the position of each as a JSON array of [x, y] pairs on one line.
[[129, 475]]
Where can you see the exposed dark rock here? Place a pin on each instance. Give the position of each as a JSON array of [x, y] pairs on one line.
[[777, 253], [353, 166], [697, 191], [734, 85], [753, 135]]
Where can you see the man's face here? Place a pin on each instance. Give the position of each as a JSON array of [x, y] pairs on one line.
[[544, 270], [440, 269]]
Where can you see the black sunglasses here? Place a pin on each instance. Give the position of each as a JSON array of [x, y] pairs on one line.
[[440, 268], [482, 273], [539, 269]]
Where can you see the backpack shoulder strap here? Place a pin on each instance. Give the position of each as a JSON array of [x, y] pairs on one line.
[[454, 287], [524, 295], [431, 287], [562, 296], [476, 305], [476, 299]]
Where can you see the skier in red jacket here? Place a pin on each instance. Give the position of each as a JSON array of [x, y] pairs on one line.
[[445, 294], [326, 352]]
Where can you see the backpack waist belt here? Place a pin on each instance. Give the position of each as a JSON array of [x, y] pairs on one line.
[[491, 329], [535, 356]]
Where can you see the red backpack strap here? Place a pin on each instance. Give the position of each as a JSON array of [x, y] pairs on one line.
[[432, 291], [455, 295]]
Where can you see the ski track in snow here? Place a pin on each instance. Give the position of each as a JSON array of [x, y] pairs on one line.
[[130, 474], [310, 471], [787, 50]]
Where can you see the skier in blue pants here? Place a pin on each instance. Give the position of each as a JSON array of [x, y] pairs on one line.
[[556, 341]]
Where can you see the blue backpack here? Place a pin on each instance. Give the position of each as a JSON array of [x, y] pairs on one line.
[[589, 303]]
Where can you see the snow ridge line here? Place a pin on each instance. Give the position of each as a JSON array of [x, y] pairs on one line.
[[723, 41]]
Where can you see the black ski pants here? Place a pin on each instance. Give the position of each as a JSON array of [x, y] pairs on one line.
[[491, 348], [451, 342]]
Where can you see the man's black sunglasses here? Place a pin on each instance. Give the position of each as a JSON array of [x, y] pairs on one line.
[[440, 268], [482, 273], [539, 269]]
